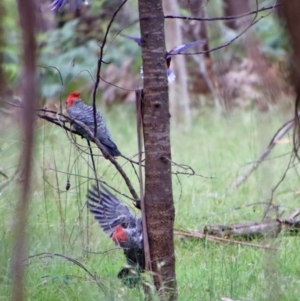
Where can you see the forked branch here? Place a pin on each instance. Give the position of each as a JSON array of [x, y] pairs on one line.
[[61, 120], [279, 134]]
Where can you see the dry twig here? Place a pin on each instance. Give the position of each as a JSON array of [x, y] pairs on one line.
[[279, 134], [74, 261], [201, 235]]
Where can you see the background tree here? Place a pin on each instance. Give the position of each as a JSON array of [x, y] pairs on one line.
[[180, 106], [290, 12], [201, 68], [28, 23], [158, 199], [256, 59]]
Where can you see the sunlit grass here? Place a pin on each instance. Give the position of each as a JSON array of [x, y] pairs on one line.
[[216, 148]]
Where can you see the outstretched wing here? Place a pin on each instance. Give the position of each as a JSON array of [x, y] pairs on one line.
[[184, 47], [135, 39], [108, 210], [73, 4]]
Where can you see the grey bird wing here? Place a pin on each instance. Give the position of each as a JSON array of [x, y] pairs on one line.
[[108, 210], [135, 39], [85, 114], [73, 4], [184, 47], [106, 141], [57, 4]]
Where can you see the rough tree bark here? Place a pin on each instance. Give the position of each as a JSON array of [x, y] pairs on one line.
[[156, 126]]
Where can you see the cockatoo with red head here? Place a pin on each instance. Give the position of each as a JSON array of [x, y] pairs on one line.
[[78, 110]]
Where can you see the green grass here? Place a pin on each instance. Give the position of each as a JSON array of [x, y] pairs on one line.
[[216, 147]]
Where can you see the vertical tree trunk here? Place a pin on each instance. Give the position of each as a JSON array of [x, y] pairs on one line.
[[156, 125], [28, 25], [290, 11], [179, 95], [197, 30], [202, 73], [232, 8], [252, 49]]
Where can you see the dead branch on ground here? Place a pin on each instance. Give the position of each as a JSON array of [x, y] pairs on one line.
[[238, 233], [201, 235], [253, 230]]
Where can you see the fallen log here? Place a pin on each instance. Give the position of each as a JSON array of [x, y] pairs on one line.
[[201, 235], [253, 230], [238, 233]]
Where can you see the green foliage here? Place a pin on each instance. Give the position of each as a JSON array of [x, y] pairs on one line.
[[217, 146], [76, 64], [72, 46], [132, 279], [273, 38], [11, 51]]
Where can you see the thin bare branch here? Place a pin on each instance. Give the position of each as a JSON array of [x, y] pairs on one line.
[[61, 122], [279, 134], [189, 170], [74, 261], [294, 214], [253, 22], [270, 203], [100, 61], [112, 160], [265, 8]]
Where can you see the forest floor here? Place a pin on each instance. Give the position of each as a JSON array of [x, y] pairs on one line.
[[218, 147]]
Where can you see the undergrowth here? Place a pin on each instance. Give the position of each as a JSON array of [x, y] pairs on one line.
[[218, 148]]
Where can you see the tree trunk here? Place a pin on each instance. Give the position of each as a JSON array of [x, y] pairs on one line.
[[179, 95], [201, 69], [156, 126], [196, 30], [291, 12], [233, 8], [27, 16], [252, 48]]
